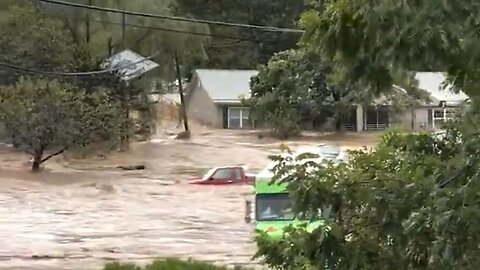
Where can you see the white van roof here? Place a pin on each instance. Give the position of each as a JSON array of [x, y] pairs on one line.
[[324, 151]]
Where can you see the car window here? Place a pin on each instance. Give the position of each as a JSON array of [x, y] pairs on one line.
[[237, 175], [209, 174], [221, 174]]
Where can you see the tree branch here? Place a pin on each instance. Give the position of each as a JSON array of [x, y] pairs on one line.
[[52, 155], [147, 34], [28, 152]]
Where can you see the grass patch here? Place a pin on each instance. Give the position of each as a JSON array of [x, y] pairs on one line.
[[168, 264]]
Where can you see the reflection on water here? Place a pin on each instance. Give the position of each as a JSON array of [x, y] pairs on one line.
[[78, 215]]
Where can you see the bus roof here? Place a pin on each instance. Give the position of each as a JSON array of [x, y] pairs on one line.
[[267, 187], [324, 152]]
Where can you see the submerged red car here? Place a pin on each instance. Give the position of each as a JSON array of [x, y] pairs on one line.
[[224, 176]]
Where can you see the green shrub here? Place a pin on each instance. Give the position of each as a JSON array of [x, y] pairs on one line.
[[168, 264], [119, 266]]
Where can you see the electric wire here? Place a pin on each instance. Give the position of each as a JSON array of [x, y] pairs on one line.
[[156, 28], [183, 19], [75, 74]]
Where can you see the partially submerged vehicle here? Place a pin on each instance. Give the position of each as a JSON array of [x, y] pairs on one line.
[[273, 205], [227, 175]]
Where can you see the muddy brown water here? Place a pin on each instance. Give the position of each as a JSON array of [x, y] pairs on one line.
[[78, 215]]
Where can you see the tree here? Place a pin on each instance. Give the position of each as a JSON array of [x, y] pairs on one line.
[[45, 117], [373, 37], [303, 85], [104, 34], [30, 40], [164, 39], [254, 47], [412, 203]]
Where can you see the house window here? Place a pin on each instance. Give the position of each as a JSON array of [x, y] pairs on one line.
[[238, 117], [376, 118], [441, 115]]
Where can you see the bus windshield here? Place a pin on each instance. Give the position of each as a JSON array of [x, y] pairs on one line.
[[273, 207]]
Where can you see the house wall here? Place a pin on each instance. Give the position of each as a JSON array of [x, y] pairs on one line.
[[200, 107], [360, 120], [403, 120], [421, 118]]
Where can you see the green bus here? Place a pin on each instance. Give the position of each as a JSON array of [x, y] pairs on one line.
[[273, 205], [273, 210]]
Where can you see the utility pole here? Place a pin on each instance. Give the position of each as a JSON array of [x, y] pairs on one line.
[[124, 24], [87, 23], [124, 139], [183, 111]]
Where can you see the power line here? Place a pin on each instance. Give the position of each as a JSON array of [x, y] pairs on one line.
[[156, 28], [4, 65], [75, 74], [101, 72], [183, 19]]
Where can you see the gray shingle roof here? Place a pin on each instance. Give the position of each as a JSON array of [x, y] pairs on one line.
[[432, 83], [224, 85]]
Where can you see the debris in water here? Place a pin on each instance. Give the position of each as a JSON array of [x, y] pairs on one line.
[[131, 167], [183, 135]]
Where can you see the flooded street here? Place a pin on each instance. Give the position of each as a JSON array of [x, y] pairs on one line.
[[77, 215]]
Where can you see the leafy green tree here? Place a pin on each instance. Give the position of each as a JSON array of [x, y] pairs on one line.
[[374, 37], [30, 40], [302, 85], [104, 34], [255, 47], [412, 203], [45, 118]]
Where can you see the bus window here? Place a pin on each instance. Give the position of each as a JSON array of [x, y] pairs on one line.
[[274, 207]]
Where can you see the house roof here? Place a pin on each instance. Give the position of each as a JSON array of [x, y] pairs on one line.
[[432, 82], [173, 98], [226, 85]]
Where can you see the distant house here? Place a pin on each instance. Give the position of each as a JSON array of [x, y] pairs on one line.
[[444, 103], [213, 97], [427, 115]]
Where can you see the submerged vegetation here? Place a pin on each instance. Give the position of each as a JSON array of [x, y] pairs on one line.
[[168, 264]]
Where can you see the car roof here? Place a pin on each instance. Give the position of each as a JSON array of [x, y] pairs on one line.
[[227, 167]]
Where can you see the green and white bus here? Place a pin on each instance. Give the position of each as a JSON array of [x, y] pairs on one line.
[[273, 205]]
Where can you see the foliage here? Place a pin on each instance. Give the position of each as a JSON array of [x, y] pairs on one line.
[[412, 203], [256, 47], [103, 33], [47, 42], [302, 85], [373, 37], [279, 92], [167, 264], [50, 116], [31, 40]]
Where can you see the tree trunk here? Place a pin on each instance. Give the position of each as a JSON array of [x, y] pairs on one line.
[[413, 114], [37, 160], [124, 104]]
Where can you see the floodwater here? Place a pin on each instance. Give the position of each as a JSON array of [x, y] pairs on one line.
[[78, 215]]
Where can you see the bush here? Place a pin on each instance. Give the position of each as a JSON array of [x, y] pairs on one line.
[[167, 264]]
